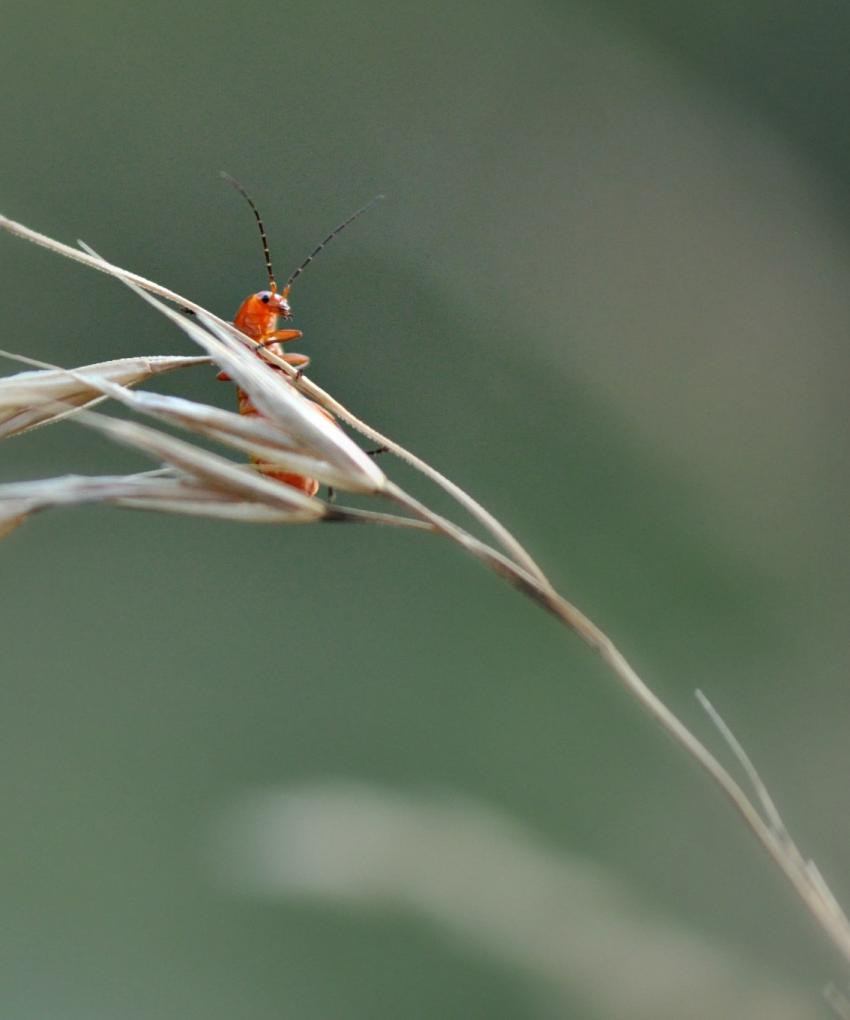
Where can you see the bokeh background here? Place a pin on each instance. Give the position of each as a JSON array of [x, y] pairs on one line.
[[344, 773]]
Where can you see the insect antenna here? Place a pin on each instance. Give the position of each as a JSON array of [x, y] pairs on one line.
[[232, 181], [327, 240]]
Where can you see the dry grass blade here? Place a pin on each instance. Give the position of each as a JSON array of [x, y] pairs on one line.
[[25, 397], [770, 810], [147, 491], [161, 492], [220, 474], [187, 499], [258, 437], [511, 546], [822, 906], [808, 870], [254, 436]]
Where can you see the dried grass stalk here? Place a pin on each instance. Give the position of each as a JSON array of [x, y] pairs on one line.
[[26, 396], [149, 491], [274, 388]]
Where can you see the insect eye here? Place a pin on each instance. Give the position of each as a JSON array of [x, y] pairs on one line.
[[265, 296]]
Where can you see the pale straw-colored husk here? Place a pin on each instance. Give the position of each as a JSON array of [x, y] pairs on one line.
[[26, 396]]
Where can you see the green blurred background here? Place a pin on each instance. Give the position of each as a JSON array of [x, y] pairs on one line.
[[608, 294]]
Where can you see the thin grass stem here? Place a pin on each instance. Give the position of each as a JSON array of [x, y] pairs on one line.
[[517, 567]]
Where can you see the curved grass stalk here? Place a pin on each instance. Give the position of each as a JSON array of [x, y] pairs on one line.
[[507, 541], [802, 874], [504, 537], [310, 389], [517, 567]]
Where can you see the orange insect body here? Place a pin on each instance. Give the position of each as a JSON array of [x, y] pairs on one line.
[[258, 317], [258, 314]]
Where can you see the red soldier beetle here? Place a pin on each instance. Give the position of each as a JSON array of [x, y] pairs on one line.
[[258, 317]]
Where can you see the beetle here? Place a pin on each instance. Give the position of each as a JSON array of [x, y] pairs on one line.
[[258, 317]]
